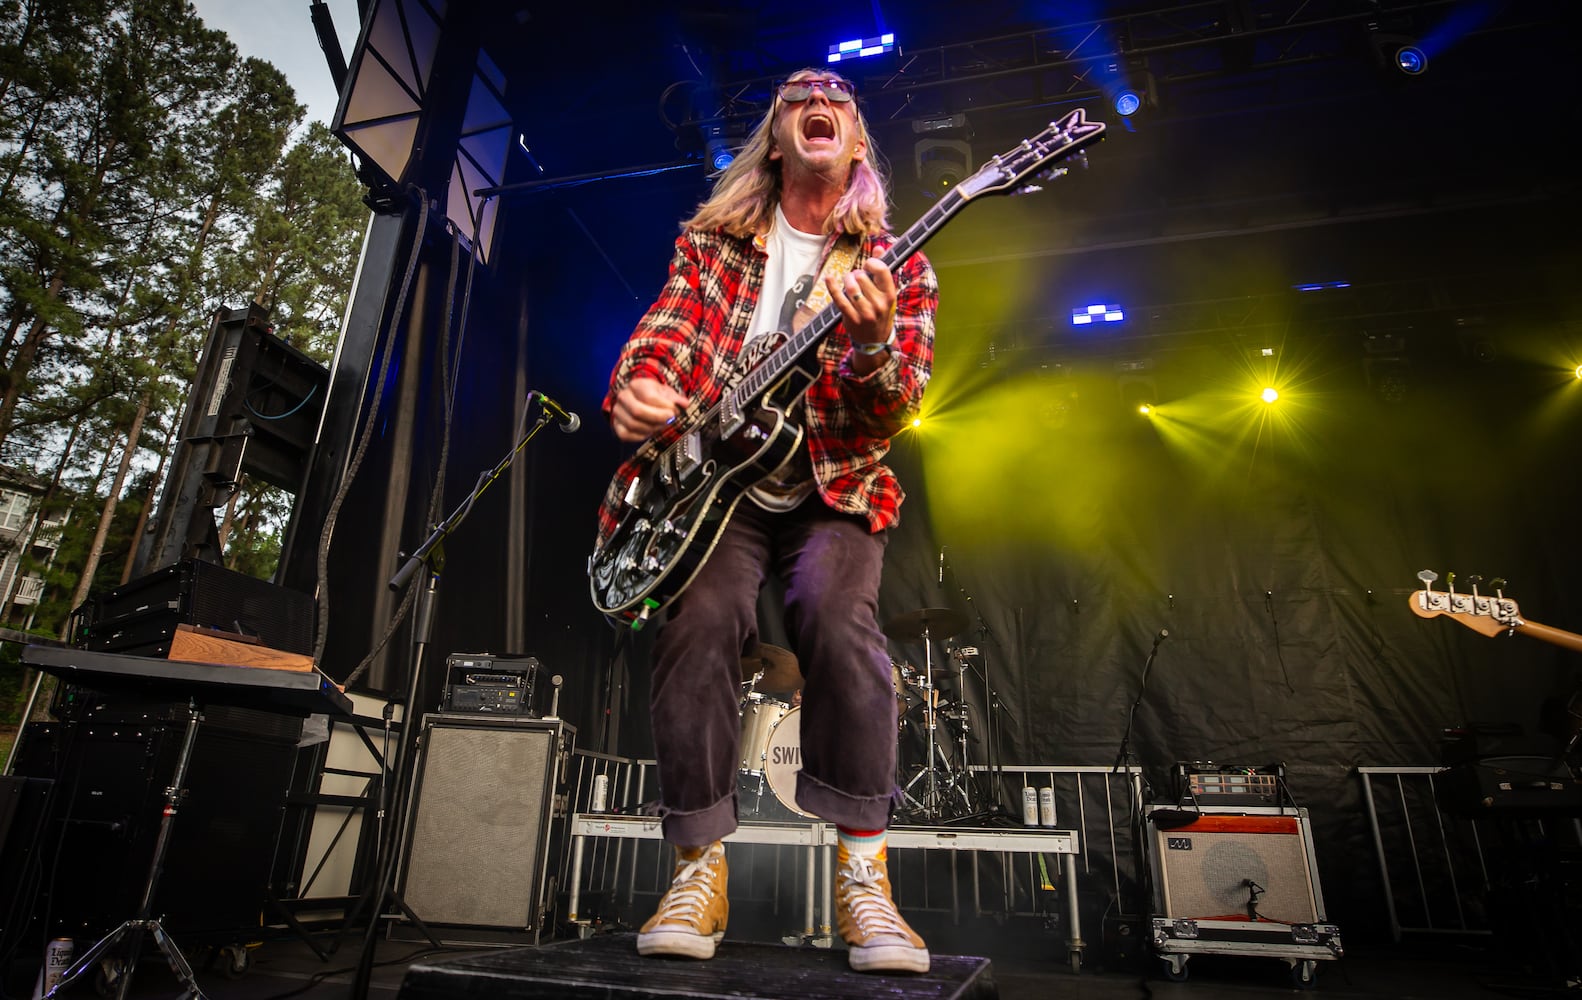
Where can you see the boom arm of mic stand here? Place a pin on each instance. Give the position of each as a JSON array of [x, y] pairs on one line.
[[455, 517]]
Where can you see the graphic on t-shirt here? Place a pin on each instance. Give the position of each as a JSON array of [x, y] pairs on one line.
[[796, 298]]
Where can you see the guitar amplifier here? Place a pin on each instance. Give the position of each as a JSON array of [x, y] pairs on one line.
[[484, 682], [1208, 784]]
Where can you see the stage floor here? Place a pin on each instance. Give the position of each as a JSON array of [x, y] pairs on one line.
[[288, 968]]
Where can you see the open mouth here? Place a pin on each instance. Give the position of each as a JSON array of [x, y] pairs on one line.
[[818, 128]]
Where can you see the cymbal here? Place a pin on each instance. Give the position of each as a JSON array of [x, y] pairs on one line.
[[936, 623], [779, 667]]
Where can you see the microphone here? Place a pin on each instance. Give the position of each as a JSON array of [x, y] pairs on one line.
[[554, 702], [941, 565], [569, 422], [1164, 634]]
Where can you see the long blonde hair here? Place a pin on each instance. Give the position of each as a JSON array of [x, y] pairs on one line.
[[745, 195]]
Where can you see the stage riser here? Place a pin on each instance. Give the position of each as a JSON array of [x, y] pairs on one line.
[[609, 968]]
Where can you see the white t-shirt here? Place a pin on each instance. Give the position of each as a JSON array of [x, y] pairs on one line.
[[793, 257], [789, 273]]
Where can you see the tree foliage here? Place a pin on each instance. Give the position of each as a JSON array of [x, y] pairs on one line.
[[149, 177]]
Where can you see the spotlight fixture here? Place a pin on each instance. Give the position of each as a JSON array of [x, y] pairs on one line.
[[718, 154], [941, 164], [721, 140], [1128, 86], [1269, 394], [1398, 52], [1411, 60]]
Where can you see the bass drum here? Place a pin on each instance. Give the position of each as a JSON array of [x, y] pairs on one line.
[[783, 760]]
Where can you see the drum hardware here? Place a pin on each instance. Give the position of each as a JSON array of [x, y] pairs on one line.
[[926, 624], [771, 668]]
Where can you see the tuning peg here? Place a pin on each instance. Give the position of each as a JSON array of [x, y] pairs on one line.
[[1450, 582], [1498, 583], [1475, 579], [1428, 577], [1025, 189]]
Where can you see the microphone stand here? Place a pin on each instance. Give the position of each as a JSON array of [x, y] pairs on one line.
[[1134, 792], [393, 833], [992, 727], [1124, 754]]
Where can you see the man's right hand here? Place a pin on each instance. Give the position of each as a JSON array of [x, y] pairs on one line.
[[643, 407]]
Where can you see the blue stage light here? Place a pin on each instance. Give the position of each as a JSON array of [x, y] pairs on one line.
[[1128, 102], [862, 48], [1088, 315], [1411, 60], [719, 155]]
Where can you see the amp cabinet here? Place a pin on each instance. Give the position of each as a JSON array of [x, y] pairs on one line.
[[1237, 881], [486, 827]]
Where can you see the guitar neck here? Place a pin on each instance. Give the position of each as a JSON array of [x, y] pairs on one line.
[[1548, 633], [807, 338]]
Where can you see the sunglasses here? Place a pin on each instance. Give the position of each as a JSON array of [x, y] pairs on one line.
[[835, 91]]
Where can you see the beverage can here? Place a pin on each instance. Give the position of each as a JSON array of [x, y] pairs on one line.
[[57, 959], [1029, 806], [601, 793], [1046, 807]]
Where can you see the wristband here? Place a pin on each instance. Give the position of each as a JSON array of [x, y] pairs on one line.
[[871, 350]]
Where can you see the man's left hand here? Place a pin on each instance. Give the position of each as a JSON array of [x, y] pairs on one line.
[[867, 299]]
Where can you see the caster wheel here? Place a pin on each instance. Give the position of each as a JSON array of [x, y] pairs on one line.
[[1175, 969], [1304, 975], [236, 960]]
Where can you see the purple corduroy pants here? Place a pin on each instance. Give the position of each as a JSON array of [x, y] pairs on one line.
[[831, 564]]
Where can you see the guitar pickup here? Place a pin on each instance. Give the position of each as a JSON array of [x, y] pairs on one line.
[[688, 455]]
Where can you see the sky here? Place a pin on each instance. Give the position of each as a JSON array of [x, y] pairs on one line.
[[281, 32]]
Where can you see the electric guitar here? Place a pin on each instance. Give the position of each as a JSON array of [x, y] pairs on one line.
[[695, 472], [1484, 614]]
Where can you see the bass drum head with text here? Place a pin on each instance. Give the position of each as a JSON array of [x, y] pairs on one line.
[[783, 760]]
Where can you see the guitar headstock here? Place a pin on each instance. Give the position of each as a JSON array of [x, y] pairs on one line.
[[1483, 614], [1010, 171]]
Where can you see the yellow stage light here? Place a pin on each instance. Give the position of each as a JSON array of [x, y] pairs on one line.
[[1269, 394]]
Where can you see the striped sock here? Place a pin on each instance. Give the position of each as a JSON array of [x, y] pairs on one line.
[[868, 843]]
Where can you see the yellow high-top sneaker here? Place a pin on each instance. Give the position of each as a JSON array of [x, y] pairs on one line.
[[691, 917], [879, 940]]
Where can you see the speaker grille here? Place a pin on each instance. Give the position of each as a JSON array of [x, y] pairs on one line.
[[1206, 867], [476, 851]]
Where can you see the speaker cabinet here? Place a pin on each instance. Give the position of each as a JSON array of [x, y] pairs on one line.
[[103, 820], [488, 791], [1247, 863]]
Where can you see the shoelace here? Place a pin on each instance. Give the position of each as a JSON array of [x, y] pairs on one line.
[[689, 893], [871, 907]]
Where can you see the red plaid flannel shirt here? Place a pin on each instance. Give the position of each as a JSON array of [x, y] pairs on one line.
[[695, 329]]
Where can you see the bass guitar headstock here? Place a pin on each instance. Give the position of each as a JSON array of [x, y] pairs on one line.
[[1483, 614]]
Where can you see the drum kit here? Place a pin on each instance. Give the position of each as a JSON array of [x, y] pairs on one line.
[[934, 731]]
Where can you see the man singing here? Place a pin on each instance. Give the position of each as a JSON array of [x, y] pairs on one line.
[[801, 214]]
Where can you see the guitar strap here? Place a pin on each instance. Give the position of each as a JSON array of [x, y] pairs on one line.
[[837, 262]]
